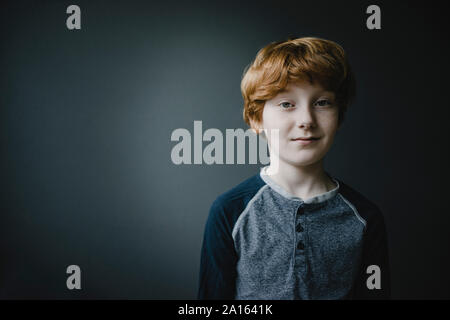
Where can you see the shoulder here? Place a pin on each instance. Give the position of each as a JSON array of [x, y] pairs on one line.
[[242, 192], [229, 205], [366, 208]]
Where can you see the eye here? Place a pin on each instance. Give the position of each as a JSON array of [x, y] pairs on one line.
[[323, 103], [283, 105]]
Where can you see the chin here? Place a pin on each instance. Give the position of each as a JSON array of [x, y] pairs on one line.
[[302, 161]]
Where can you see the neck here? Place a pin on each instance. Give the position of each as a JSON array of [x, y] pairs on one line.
[[301, 181]]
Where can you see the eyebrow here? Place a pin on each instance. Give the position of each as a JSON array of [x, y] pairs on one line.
[[321, 92]]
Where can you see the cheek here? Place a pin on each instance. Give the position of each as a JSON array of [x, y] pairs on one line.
[[272, 120], [277, 134], [329, 123]]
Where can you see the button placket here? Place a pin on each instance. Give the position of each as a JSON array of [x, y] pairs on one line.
[[299, 245], [299, 220]]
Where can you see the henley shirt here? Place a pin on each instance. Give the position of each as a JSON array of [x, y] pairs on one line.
[[261, 242]]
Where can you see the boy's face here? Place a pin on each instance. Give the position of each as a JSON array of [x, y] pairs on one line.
[[302, 110]]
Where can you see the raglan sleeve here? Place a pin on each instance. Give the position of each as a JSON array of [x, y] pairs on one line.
[[374, 279], [218, 257]]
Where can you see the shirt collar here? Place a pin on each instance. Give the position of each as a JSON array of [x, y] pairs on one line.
[[316, 199]]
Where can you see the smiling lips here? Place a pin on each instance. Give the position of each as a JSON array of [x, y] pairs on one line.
[[305, 140]]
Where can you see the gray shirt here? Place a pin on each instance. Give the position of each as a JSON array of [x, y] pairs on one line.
[[261, 242]]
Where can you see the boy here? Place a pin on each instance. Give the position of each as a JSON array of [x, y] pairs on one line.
[[292, 231]]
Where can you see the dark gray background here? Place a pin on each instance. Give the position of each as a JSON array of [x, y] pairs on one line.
[[87, 115]]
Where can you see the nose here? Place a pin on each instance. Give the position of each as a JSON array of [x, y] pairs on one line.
[[305, 118]]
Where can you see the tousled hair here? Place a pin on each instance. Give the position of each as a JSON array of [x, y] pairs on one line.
[[309, 59]]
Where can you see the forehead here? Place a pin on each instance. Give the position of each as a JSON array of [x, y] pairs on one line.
[[304, 88]]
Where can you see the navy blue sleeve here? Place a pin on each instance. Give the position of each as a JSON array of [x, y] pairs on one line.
[[375, 252], [218, 256]]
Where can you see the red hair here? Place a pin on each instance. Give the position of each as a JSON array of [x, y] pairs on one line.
[[295, 60]]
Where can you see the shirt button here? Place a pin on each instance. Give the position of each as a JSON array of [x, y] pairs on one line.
[[300, 245], [300, 211], [299, 228]]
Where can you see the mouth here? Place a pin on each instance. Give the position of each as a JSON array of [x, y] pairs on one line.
[[305, 141]]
